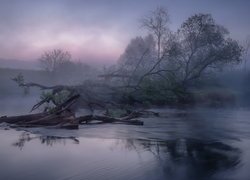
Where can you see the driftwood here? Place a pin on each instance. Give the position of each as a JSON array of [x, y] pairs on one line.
[[105, 119], [61, 116], [65, 120]]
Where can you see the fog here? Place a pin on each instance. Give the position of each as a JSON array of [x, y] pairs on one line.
[[109, 40], [124, 90], [234, 79]]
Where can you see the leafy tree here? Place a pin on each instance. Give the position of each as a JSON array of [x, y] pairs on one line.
[[200, 46], [204, 46], [138, 57]]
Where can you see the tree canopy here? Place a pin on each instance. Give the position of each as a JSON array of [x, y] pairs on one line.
[[200, 46]]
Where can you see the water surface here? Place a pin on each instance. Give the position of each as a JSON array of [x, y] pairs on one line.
[[180, 144]]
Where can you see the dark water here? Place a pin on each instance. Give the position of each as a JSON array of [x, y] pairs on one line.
[[180, 144]]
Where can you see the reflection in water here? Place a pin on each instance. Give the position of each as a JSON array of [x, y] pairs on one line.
[[192, 158], [48, 140], [179, 145], [200, 159]]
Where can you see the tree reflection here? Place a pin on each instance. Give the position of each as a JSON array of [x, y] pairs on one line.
[[198, 158], [47, 140], [192, 158]]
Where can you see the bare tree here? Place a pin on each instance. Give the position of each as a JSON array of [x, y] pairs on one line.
[[157, 24], [52, 61]]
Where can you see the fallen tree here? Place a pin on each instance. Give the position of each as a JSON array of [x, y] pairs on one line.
[[61, 114], [66, 121]]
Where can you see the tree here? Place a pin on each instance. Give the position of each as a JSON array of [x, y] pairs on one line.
[[157, 24], [53, 61], [198, 47], [138, 57], [203, 46], [246, 52]]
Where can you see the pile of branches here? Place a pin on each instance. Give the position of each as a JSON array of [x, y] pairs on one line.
[[62, 115]]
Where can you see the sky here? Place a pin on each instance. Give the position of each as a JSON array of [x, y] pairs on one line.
[[99, 30]]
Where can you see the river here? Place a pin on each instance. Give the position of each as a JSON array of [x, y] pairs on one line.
[[181, 144]]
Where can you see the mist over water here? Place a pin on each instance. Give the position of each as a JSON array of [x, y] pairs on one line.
[[180, 144], [183, 143], [148, 90], [192, 142]]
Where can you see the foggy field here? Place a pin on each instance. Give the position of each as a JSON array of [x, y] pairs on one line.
[[126, 90]]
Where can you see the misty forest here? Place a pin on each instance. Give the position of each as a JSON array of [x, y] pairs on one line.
[[174, 104]]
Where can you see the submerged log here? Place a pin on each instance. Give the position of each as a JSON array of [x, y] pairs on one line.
[[106, 119], [66, 120]]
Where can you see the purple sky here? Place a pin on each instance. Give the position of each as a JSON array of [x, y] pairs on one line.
[[99, 29]]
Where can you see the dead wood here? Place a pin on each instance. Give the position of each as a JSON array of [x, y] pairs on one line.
[[61, 116], [106, 119], [22, 118]]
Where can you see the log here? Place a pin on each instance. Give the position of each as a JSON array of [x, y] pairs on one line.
[[61, 116], [69, 126], [107, 119], [22, 118], [65, 121]]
